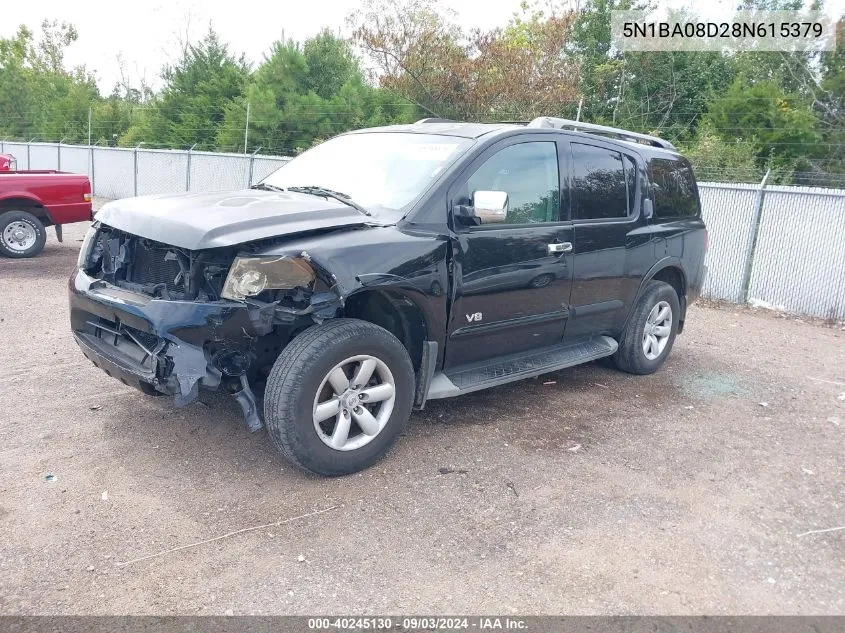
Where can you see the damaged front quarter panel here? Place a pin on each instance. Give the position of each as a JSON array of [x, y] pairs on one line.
[[383, 259]]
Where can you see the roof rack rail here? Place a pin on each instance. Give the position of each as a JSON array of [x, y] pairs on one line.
[[592, 128], [434, 120]]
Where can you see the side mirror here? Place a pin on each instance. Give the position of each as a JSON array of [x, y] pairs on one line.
[[490, 206], [648, 208]]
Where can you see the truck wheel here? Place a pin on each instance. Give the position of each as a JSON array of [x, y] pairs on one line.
[[650, 333], [338, 396], [21, 234]]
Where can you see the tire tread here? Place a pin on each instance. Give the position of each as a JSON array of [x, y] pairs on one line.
[[288, 374]]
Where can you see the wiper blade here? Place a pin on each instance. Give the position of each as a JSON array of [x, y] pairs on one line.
[[328, 193], [265, 187]]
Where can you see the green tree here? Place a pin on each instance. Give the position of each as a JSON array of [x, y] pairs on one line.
[[302, 95], [781, 129], [192, 105], [39, 98]]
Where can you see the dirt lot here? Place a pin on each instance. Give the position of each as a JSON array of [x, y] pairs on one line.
[[684, 492]]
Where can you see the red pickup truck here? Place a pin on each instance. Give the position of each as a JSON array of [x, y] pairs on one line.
[[32, 200], [8, 162]]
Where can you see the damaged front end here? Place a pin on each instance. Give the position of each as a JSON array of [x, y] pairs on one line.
[[168, 320]]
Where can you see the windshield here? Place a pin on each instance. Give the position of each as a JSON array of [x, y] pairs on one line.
[[383, 172]]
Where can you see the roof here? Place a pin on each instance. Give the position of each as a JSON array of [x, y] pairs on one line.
[[477, 130], [444, 127]]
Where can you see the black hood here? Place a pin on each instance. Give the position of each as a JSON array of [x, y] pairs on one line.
[[209, 220]]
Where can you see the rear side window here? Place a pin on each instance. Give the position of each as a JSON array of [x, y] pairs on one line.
[[673, 184], [600, 187]]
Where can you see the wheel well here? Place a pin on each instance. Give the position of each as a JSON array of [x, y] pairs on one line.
[[395, 313], [674, 277], [28, 205]]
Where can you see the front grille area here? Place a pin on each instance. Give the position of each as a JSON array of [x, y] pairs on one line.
[[152, 265], [159, 270]]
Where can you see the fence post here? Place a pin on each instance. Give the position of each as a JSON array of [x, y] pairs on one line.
[[93, 181], [752, 239], [249, 171], [246, 129], [59, 155], [135, 161], [188, 170], [28, 160]]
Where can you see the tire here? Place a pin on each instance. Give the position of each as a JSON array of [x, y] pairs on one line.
[[21, 234], [299, 381], [637, 356]]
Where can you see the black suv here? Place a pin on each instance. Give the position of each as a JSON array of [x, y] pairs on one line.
[[390, 266]]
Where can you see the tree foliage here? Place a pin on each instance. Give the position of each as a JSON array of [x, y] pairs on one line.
[[420, 53], [737, 114]]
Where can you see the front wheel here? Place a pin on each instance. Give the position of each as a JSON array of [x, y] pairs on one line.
[[338, 396], [21, 234], [650, 333]]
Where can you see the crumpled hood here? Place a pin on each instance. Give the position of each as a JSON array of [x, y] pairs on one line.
[[209, 220]]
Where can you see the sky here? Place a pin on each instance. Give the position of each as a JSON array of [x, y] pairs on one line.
[[146, 33]]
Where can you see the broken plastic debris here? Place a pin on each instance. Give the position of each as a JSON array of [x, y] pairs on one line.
[[301, 558], [550, 382], [763, 404], [105, 495], [759, 303], [96, 407], [49, 477]]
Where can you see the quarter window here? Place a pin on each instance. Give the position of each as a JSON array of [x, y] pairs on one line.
[[528, 172], [600, 189], [675, 193]]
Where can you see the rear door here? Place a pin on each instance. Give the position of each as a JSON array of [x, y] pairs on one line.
[[512, 279], [612, 250]]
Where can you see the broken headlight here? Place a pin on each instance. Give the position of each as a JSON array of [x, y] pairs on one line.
[[86, 248], [250, 276]]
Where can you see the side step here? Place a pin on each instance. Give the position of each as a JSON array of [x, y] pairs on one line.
[[498, 371]]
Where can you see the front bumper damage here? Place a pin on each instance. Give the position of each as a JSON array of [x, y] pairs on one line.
[[175, 348]]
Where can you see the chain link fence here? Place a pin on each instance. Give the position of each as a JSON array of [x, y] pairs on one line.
[[779, 245]]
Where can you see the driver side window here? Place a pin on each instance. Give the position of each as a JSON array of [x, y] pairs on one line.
[[528, 173]]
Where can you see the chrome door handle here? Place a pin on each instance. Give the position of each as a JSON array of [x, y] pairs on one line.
[[560, 247]]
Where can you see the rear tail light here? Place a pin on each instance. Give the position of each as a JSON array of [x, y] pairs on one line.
[[86, 197]]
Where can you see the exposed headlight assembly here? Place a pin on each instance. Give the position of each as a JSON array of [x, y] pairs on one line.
[[86, 248], [250, 276]]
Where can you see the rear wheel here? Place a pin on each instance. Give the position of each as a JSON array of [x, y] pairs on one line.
[[21, 234], [650, 333], [338, 396]]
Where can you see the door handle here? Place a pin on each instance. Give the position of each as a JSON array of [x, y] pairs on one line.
[[560, 247]]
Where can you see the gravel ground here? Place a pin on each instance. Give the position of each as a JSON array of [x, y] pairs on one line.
[[585, 491]]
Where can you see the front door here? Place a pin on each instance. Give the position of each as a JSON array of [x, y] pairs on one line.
[[512, 279]]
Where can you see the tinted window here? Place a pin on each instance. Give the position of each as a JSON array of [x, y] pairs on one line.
[[528, 172], [599, 188], [673, 184]]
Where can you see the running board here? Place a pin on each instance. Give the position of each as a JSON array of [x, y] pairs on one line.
[[498, 371]]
